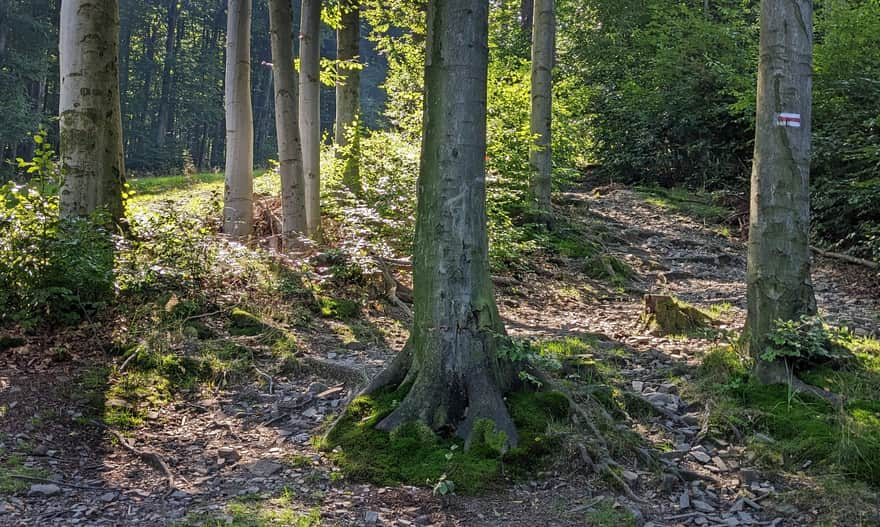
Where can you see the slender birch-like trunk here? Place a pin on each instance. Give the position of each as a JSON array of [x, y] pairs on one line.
[[310, 111], [779, 284], [238, 205], [543, 55], [347, 95], [89, 109], [451, 359], [293, 211]]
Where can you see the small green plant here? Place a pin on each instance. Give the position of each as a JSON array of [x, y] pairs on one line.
[[808, 339], [443, 487], [52, 269]]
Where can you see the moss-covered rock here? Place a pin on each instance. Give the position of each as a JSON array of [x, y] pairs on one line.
[[243, 323]]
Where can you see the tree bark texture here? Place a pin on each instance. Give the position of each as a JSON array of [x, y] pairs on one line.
[[238, 203], [527, 10], [451, 358], [348, 39], [543, 55], [779, 284], [165, 98], [89, 109], [310, 111], [293, 210]]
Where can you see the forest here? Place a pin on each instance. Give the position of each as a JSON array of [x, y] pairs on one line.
[[606, 263]]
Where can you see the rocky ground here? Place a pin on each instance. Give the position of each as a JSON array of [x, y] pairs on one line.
[[250, 445]]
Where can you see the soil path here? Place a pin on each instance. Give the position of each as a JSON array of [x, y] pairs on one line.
[[251, 444]]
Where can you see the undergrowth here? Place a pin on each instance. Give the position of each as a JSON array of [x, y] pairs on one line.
[[413, 454], [257, 513], [13, 464], [805, 432]]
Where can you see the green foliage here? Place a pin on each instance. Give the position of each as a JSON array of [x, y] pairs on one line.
[[170, 248], [52, 269], [244, 323], [339, 308], [841, 441], [660, 86], [256, 513], [846, 215], [721, 366], [808, 339], [13, 464], [607, 513], [413, 454]]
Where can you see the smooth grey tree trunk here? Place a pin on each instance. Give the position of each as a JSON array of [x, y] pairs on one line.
[[89, 109], [348, 38], [293, 210], [779, 284], [451, 358], [543, 55], [310, 111], [238, 205]]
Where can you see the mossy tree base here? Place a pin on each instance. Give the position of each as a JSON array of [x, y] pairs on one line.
[[414, 454], [778, 372], [451, 392]]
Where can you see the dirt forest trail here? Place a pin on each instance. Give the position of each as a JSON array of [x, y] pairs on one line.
[[250, 445]]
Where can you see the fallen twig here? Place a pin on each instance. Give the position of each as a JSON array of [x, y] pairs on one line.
[[148, 456], [847, 258], [268, 377]]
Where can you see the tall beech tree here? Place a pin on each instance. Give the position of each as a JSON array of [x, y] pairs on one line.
[[238, 205], [293, 212], [457, 377], [543, 56], [310, 110], [348, 38], [779, 284], [89, 109]]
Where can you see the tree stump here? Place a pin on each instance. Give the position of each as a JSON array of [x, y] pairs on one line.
[[664, 315]]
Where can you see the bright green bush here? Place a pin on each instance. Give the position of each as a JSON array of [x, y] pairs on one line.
[[52, 269]]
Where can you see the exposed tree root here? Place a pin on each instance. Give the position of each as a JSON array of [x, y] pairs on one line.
[[778, 372], [391, 286], [334, 370], [147, 456], [598, 456]]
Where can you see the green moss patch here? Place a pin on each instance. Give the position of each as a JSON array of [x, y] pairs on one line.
[[840, 441], [13, 465], [243, 323], [338, 308], [413, 454], [608, 514], [153, 377], [258, 512]]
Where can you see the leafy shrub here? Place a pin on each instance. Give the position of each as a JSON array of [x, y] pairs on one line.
[[169, 249], [52, 269], [667, 90], [846, 214], [806, 340]]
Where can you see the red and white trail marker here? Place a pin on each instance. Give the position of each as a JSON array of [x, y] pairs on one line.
[[791, 120]]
